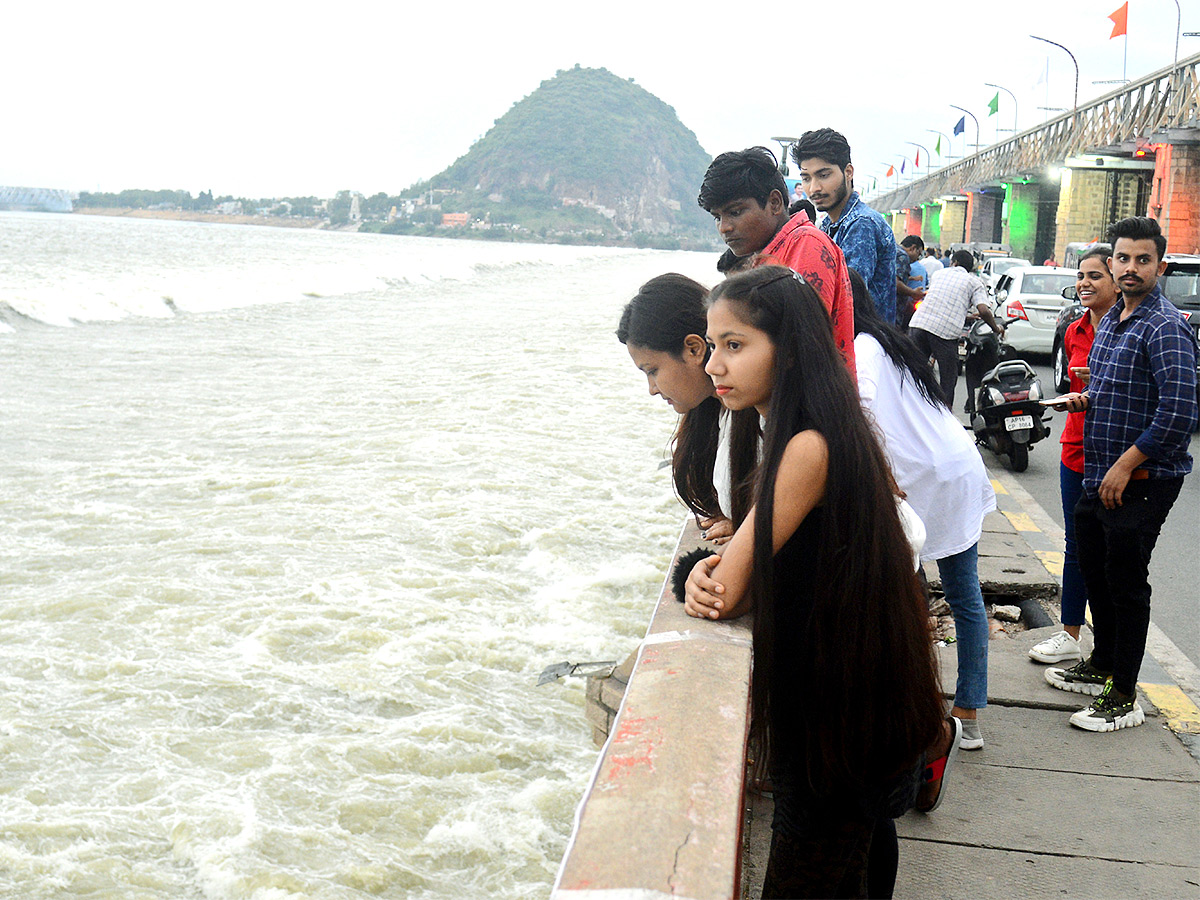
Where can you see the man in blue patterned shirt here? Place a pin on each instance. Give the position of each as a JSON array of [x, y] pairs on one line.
[[1141, 407], [866, 240]]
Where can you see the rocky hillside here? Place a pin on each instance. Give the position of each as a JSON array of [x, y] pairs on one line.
[[588, 142]]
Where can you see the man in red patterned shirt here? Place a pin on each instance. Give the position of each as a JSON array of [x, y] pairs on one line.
[[746, 194]]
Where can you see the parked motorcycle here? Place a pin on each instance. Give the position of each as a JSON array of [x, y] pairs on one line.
[[1004, 409]]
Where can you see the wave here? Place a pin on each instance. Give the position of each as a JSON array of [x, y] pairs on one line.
[[71, 270]]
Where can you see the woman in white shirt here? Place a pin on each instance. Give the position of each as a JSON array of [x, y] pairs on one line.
[[938, 467]]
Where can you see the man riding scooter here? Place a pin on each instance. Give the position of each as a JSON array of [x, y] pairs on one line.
[[937, 324]]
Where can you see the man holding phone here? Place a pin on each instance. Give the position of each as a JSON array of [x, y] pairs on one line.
[[1140, 406]]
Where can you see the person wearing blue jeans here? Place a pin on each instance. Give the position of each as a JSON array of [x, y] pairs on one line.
[[943, 477], [1097, 291], [1074, 594], [960, 583]]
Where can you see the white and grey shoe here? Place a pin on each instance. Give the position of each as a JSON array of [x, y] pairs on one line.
[[972, 737], [1056, 648]]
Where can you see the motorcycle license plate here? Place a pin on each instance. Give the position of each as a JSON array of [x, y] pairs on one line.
[[1016, 423]]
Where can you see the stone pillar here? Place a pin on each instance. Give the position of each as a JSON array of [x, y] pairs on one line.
[[912, 221], [982, 225], [1082, 212], [1021, 226], [1092, 198], [931, 224], [954, 223], [1175, 198]]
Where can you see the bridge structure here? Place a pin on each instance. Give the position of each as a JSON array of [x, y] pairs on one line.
[[1133, 151], [37, 199]]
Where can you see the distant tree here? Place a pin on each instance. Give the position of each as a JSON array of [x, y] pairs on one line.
[[339, 209]]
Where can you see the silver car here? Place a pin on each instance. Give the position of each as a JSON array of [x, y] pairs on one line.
[[1033, 296], [992, 268]]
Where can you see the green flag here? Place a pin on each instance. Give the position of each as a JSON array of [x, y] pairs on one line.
[[994, 105], [937, 148]]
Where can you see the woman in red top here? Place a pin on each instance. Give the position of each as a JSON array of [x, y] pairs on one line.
[[1097, 292]]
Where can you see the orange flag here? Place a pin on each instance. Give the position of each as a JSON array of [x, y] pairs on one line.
[[1120, 20], [890, 172]]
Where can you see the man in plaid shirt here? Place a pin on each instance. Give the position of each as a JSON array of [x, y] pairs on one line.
[[1141, 408], [938, 322]]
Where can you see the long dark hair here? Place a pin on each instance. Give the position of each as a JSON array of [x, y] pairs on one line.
[[664, 312], [899, 348], [863, 654]]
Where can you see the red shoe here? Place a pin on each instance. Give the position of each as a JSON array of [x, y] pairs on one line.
[[933, 791]]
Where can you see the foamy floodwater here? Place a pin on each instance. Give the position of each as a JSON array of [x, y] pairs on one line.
[[281, 558]]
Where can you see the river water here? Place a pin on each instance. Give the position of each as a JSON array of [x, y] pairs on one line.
[[290, 523]]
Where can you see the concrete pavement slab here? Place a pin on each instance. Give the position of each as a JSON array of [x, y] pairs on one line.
[[934, 871], [1121, 819], [1043, 741]]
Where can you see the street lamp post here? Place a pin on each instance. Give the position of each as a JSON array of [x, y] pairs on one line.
[[784, 144], [1178, 29], [928, 158], [1074, 108], [973, 119], [949, 143], [1014, 100]]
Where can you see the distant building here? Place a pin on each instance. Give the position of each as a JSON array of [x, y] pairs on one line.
[[456, 220], [230, 208]]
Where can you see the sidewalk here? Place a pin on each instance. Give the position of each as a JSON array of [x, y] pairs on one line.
[[1044, 809]]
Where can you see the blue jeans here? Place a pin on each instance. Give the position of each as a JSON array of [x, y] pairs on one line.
[[960, 582], [1074, 592]]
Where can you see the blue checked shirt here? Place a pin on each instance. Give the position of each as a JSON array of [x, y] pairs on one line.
[[1142, 391], [869, 246]]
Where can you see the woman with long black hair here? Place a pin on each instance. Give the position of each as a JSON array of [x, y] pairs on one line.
[[845, 697], [662, 327]]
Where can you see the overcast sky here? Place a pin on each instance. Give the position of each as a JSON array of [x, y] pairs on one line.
[[268, 99]]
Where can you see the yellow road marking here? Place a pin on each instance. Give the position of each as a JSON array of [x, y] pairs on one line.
[[1020, 521], [1052, 560], [1180, 712], [998, 487]]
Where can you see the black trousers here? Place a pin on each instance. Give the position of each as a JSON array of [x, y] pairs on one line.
[[945, 353], [1114, 547], [851, 858]]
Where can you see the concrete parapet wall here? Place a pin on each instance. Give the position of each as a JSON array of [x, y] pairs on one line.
[[663, 813]]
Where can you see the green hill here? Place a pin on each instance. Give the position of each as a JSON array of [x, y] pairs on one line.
[[585, 151]]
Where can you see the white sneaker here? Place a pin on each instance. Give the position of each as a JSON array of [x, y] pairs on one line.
[[1056, 648], [1110, 712]]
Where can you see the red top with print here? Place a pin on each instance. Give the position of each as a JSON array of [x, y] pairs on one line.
[[802, 247]]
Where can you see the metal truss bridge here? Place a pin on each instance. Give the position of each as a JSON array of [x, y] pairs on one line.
[[1163, 107], [37, 199]]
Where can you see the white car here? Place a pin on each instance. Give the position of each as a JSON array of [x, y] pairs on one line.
[[991, 269], [1032, 295]]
